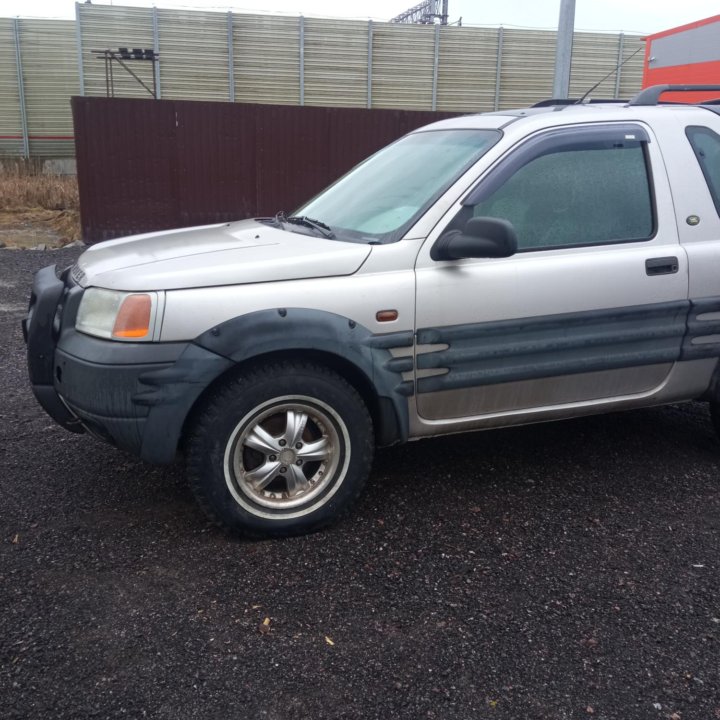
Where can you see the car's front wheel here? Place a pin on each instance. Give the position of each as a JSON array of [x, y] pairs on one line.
[[281, 450]]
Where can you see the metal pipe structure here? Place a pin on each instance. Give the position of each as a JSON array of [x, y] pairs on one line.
[[108, 56], [425, 13], [435, 67], [156, 50], [78, 42], [369, 63], [231, 58], [498, 68], [302, 60], [21, 91], [618, 74], [563, 49]]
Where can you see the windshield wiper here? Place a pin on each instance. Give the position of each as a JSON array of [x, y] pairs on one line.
[[321, 227]]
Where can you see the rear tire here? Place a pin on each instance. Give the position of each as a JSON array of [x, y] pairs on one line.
[[283, 449]]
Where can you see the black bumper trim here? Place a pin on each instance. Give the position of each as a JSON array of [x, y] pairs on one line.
[[136, 396], [138, 407], [39, 334], [56, 408]]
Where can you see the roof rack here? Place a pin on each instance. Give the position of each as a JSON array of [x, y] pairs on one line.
[[550, 102], [651, 95]]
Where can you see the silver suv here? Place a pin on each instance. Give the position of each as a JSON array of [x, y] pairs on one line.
[[483, 271]]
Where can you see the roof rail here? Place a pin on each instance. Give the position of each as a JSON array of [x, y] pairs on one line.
[[574, 101], [651, 95]]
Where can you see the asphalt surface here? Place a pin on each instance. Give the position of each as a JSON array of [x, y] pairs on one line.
[[568, 570]]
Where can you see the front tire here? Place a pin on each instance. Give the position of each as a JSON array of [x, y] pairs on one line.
[[283, 449]]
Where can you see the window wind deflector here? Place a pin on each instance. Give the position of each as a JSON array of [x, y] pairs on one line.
[[564, 139]]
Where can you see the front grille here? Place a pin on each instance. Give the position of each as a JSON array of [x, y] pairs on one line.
[[77, 274]]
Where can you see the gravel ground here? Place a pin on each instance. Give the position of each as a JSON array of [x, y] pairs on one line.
[[561, 571]]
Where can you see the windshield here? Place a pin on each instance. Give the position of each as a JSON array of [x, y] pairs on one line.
[[382, 197]]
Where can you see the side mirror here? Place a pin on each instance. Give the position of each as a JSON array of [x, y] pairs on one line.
[[482, 237]]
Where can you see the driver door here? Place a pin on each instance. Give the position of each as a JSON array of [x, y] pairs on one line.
[[593, 305]]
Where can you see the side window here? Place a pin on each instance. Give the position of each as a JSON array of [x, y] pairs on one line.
[[577, 193], [706, 146]]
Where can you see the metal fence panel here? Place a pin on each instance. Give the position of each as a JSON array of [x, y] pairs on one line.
[[528, 62], [336, 54], [102, 28], [153, 165], [402, 73], [594, 55], [193, 55], [267, 59], [631, 74], [50, 79], [123, 170], [11, 142], [289, 61], [466, 73]]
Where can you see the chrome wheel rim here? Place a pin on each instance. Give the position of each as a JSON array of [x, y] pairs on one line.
[[285, 453]]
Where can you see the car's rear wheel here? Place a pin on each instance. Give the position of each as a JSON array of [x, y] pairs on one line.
[[283, 449]]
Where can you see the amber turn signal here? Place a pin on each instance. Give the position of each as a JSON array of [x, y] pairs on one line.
[[386, 315], [133, 318]]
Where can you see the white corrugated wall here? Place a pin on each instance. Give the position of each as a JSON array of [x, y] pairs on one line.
[[594, 55], [527, 67], [104, 27], [193, 55], [631, 73], [49, 64], [10, 123], [467, 69], [336, 55], [402, 69], [270, 65], [267, 59]]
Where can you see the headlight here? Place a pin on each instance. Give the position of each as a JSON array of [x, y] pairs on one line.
[[118, 315]]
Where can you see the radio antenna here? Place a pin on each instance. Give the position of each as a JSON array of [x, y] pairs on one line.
[[614, 70]]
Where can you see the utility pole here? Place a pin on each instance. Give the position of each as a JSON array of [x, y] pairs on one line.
[[563, 49]]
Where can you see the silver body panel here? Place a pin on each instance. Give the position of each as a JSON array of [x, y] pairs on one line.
[[386, 282], [523, 394], [216, 255], [212, 275], [546, 283], [686, 381]]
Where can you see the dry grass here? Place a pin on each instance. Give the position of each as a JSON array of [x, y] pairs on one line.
[[21, 189], [38, 208]]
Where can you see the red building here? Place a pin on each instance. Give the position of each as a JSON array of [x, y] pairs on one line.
[[685, 55]]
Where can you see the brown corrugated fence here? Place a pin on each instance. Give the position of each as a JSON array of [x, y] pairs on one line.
[[155, 164]]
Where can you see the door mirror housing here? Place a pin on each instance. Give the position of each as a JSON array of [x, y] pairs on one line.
[[482, 237]]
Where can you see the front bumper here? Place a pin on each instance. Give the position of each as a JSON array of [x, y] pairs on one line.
[[135, 396], [41, 329]]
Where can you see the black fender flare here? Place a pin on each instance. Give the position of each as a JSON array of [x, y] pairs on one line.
[[295, 329]]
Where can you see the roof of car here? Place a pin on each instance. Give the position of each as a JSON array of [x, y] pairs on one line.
[[644, 104], [583, 112]]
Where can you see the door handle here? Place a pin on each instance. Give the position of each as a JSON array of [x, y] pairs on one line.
[[661, 266]]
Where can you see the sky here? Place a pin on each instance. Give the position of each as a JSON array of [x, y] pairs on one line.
[[639, 16]]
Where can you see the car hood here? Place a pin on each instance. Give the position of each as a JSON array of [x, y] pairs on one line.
[[226, 254]]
